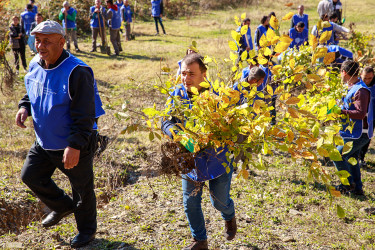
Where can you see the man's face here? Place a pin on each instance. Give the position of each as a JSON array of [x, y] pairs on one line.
[[267, 22], [49, 46], [367, 77], [108, 5], [299, 29], [301, 9], [126, 2], [38, 19], [256, 82], [191, 76], [247, 23], [97, 3]]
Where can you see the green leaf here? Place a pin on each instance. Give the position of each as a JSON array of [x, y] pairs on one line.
[[338, 140], [335, 155], [151, 136], [227, 169], [352, 161], [343, 175], [194, 43], [340, 211], [347, 147], [315, 130]]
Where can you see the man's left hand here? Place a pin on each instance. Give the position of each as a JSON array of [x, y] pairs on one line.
[[70, 157]]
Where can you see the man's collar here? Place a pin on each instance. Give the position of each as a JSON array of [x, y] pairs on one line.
[[62, 57]]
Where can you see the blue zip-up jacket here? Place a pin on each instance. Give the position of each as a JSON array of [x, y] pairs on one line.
[[208, 163], [358, 124], [299, 38], [126, 13]]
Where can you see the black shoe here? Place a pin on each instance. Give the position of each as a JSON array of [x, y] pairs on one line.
[[120, 49], [93, 50], [82, 239], [78, 50], [53, 218], [344, 189], [358, 192]]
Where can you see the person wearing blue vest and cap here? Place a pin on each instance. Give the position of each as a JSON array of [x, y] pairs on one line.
[[61, 100], [208, 163], [358, 111], [97, 20], [157, 10], [260, 31], [126, 14], [368, 77], [114, 21], [299, 34], [300, 17], [68, 17]]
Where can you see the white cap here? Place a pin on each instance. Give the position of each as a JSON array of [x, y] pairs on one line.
[[48, 27]]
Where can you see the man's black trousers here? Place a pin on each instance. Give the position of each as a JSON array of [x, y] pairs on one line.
[[36, 173]]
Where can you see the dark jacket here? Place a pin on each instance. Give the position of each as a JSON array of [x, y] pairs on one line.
[[14, 31]]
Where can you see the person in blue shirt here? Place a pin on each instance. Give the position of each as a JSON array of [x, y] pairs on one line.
[[34, 7], [368, 78], [27, 18], [208, 163], [68, 17], [299, 35], [119, 3], [261, 30], [359, 111], [126, 14], [300, 17], [97, 19], [114, 22], [246, 41], [157, 10]]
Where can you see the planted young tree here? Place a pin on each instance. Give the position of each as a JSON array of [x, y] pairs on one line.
[[308, 90]]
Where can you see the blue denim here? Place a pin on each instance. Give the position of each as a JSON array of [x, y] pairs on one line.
[[354, 170], [220, 199]]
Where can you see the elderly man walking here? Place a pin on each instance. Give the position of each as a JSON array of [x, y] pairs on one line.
[[68, 17], [61, 100]]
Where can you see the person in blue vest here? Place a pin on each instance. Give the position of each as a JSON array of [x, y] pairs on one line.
[[114, 22], [27, 18], [246, 41], [126, 14], [332, 28], [300, 17], [120, 3], [97, 20], [208, 164], [341, 55], [61, 100], [157, 10], [338, 30], [260, 31], [368, 77], [299, 34], [34, 7], [360, 111], [68, 17], [255, 76]]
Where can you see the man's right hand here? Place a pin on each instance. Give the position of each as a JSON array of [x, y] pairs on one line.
[[21, 117]]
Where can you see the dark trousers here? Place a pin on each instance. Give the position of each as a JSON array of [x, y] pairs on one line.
[[158, 19], [16, 53], [36, 173]]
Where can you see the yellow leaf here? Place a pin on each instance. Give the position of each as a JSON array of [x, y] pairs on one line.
[[279, 90], [319, 24], [286, 39], [293, 112], [335, 193], [313, 77], [194, 90], [270, 34], [245, 174], [292, 63], [322, 72], [353, 161], [288, 16], [331, 103], [292, 100], [263, 42], [235, 35], [281, 47], [269, 89], [275, 69], [340, 212], [267, 51], [243, 16], [325, 36], [244, 29], [244, 55], [329, 58], [323, 152], [232, 45], [321, 52], [289, 4], [326, 24], [347, 147], [274, 22], [233, 56], [262, 60], [205, 84], [298, 69], [313, 41], [290, 136]]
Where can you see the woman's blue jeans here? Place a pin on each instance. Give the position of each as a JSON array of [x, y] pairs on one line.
[[220, 199]]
